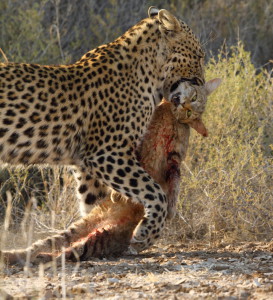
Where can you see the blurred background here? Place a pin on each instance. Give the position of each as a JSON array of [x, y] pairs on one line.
[[227, 179], [61, 31]]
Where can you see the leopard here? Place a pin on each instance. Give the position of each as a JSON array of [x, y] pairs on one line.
[[93, 113], [107, 229]]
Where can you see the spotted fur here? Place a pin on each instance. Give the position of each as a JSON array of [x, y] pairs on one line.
[[107, 229], [91, 114]]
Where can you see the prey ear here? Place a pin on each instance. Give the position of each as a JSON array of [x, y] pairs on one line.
[[168, 21], [212, 85], [153, 11]]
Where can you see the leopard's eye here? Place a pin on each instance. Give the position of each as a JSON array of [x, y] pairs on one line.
[[189, 112], [194, 98]]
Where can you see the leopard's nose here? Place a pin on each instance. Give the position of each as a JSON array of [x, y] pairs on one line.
[[176, 99]]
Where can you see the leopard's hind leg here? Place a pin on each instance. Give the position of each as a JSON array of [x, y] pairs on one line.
[[53, 244]]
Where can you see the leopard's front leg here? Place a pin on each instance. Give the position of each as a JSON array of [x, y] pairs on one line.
[[131, 180], [90, 190]]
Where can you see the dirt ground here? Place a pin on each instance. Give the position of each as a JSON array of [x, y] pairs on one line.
[[229, 272]]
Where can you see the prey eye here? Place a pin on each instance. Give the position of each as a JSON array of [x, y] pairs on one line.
[[194, 98], [189, 113]]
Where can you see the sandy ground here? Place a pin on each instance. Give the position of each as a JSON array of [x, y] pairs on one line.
[[164, 272]]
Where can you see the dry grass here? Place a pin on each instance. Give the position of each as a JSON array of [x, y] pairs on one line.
[[40, 210], [226, 189]]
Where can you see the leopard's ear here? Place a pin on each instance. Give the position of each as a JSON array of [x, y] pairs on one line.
[[168, 21], [212, 85], [153, 11]]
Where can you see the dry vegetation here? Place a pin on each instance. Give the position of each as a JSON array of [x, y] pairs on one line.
[[226, 190], [61, 31], [227, 183]]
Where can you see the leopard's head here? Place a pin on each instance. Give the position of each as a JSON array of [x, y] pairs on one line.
[[184, 54]]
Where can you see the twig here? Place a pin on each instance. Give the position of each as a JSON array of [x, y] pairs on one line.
[[6, 226], [63, 274], [57, 28], [4, 55]]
